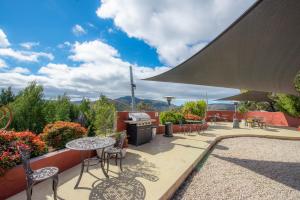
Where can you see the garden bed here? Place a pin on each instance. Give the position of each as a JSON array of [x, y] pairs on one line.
[[178, 128]]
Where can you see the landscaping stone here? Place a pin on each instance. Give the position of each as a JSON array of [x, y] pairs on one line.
[[247, 168]]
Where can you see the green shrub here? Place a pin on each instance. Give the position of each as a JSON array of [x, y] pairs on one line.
[[59, 133], [195, 108], [170, 116]]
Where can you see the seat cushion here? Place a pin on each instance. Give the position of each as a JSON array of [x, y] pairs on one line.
[[44, 173], [112, 150]]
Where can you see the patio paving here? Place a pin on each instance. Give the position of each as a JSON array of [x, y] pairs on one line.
[[151, 171]]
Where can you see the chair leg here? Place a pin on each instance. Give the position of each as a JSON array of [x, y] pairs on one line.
[[88, 164], [116, 159], [29, 192], [54, 185], [108, 157], [121, 161]]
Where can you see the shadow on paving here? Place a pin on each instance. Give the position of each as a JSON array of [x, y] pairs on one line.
[[158, 146], [125, 186], [217, 126], [286, 173], [217, 146]]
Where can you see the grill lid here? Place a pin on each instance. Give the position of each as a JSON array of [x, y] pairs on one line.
[[139, 116]]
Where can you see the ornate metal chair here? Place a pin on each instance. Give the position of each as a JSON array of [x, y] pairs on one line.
[[36, 176], [115, 151]]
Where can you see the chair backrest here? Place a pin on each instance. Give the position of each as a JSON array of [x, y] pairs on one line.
[[25, 156], [121, 140]]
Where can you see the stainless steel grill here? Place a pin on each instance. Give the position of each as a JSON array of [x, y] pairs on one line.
[[139, 128], [139, 118]]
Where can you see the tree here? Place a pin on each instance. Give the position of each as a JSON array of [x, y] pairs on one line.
[[28, 109], [289, 104], [297, 82], [6, 96], [245, 106], [89, 116], [61, 109], [104, 115]]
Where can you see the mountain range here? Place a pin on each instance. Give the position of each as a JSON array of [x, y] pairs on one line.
[[124, 103], [220, 106]]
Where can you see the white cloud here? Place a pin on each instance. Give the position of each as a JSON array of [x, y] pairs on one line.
[[101, 70], [177, 29], [3, 39], [78, 30], [20, 70], [28, 56], [64, 45], [93, 51], [91, 25], [110, 30], [2, 64], [29, 45]]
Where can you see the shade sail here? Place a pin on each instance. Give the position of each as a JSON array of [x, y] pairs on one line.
[[249, 96], [260, 51]]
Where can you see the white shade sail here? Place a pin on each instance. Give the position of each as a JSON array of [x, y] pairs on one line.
[[260, 51]]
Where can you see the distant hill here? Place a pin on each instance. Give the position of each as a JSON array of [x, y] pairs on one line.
[[126, 100], [124, 103], [220, 106]]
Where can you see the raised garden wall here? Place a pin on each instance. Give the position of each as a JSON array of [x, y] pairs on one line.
[[178, 129], [122, 116], [276, 118], [272, 118], [13, 180]]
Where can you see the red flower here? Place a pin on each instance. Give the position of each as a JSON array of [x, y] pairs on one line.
[[9, 143], [192, 117]]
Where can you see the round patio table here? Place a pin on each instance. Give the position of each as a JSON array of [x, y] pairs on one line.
[[89, 144]]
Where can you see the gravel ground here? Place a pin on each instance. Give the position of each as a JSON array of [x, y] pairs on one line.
[[247, 168]]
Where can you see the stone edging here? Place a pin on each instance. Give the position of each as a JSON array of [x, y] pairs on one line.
[[168, 194]]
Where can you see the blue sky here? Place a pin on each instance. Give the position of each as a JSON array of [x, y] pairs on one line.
[[85, 47], [50, 23]]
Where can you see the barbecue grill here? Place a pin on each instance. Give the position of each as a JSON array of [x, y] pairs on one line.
[[139, 128]]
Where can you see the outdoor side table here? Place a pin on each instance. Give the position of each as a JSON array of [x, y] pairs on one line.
[[89, 144]]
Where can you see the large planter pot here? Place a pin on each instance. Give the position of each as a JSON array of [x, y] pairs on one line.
[[14, 182]]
